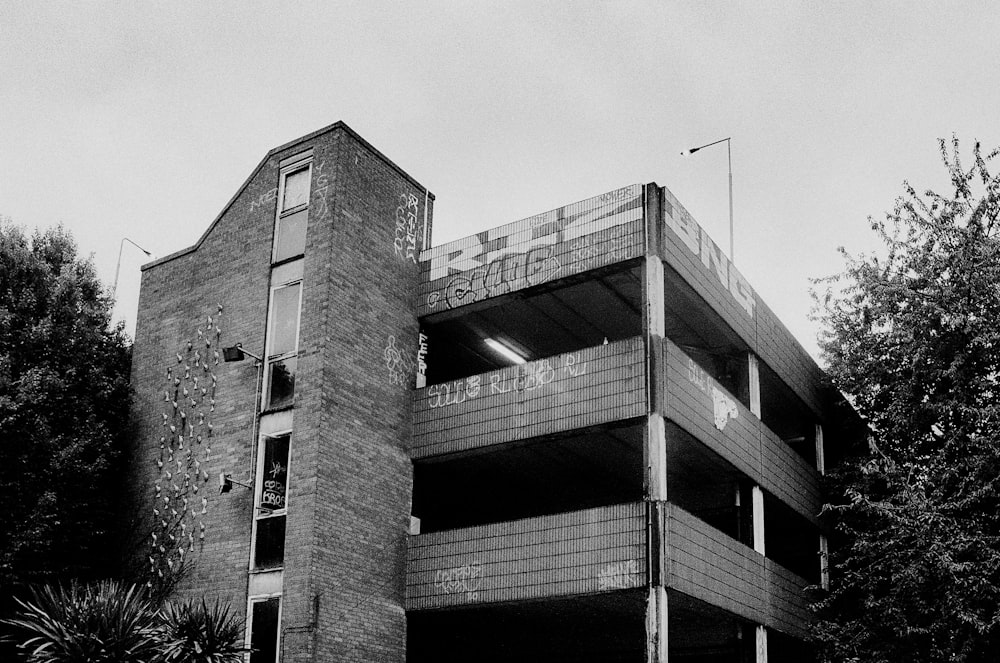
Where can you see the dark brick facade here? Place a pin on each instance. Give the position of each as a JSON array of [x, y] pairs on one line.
[[350, 476]]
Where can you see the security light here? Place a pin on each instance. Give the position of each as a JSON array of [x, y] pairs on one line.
[[236, 353], [226, 482]]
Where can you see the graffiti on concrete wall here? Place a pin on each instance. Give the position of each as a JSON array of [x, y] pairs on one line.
[[421, 360], [618, 575], [724, 406], [525, 378], [534, 250], [466, 579], [712, 258], [505, 273], [405, 243]]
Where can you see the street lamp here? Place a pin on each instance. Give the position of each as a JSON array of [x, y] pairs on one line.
[[118, 266], [729, 153]]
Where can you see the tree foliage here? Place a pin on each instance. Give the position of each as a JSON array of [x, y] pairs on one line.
[[64, 404], [913, 337]]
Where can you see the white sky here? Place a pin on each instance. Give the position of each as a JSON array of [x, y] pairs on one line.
[[141, 120]]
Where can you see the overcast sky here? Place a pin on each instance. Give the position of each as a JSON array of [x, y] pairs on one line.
[[141, 120]]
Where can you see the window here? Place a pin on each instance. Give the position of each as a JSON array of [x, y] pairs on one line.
[[263, 629], [282, 340], [293, 211], [271, 506]]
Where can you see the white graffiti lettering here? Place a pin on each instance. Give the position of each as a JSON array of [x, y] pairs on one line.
[[618, 575], [467, 579], [712, 258], [267, 197], [405, 243]]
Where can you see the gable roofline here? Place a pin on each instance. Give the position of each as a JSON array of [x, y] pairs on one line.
[[333, 127]]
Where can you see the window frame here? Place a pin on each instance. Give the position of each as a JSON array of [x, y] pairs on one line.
[[293, 167], [270, 358], [258, 513], [248, 636]]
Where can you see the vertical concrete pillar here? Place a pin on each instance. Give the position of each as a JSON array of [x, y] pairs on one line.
[[824, 547], [761, 632], [753, 373], [758, 519], [656, 457], [656, 625]]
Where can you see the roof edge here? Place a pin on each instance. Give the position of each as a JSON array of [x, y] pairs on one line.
[[339, 124]]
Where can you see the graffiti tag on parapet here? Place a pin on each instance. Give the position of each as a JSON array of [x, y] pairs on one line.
[[712, 258], [505, 274], [526, 378], [524, 253], [465, 579], [405, 243], [265, 198], [724, 407], [594, 251], [397, 363], [321, 203], [618, 575]]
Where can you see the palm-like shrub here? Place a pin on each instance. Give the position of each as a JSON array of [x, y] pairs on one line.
[[196, 632], [109, 622], [106, 622]]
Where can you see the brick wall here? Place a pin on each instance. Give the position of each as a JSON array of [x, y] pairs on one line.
[[350, 478]]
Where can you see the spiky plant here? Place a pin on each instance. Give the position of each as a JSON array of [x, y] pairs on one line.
[[105, 622], [198, 632]]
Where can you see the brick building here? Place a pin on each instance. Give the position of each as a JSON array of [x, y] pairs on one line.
[[579, 436]]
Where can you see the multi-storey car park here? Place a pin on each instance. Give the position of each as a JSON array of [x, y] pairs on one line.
[[580, 436]]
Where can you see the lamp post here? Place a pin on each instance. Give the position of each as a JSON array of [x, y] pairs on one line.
[[729, 154], [118, 266]]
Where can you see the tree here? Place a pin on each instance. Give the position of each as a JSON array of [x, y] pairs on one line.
[[64, 402], [913, 338]]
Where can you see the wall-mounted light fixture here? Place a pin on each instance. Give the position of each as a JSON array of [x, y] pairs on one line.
[[236, 353], [226, 482]]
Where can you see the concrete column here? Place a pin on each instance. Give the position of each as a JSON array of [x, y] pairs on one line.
[[655, 299], [820, 451], [656, 625], [761, 644], [824, 547], [656, 457], [758, 519], [753, 375]]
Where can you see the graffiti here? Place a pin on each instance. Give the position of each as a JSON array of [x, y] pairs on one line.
[[398, 364], [267, 197], [505, 274], [698, 376], [524, 253], [618, 575], [525, 378], [321, 204], [421, 360], [701, 245], [723, 407], [406, 228], [465, 579], [594, 251]]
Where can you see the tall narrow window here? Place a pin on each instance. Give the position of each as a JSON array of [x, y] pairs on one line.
[[264, 620], [271, 511], [282, 340], [293, 212]]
